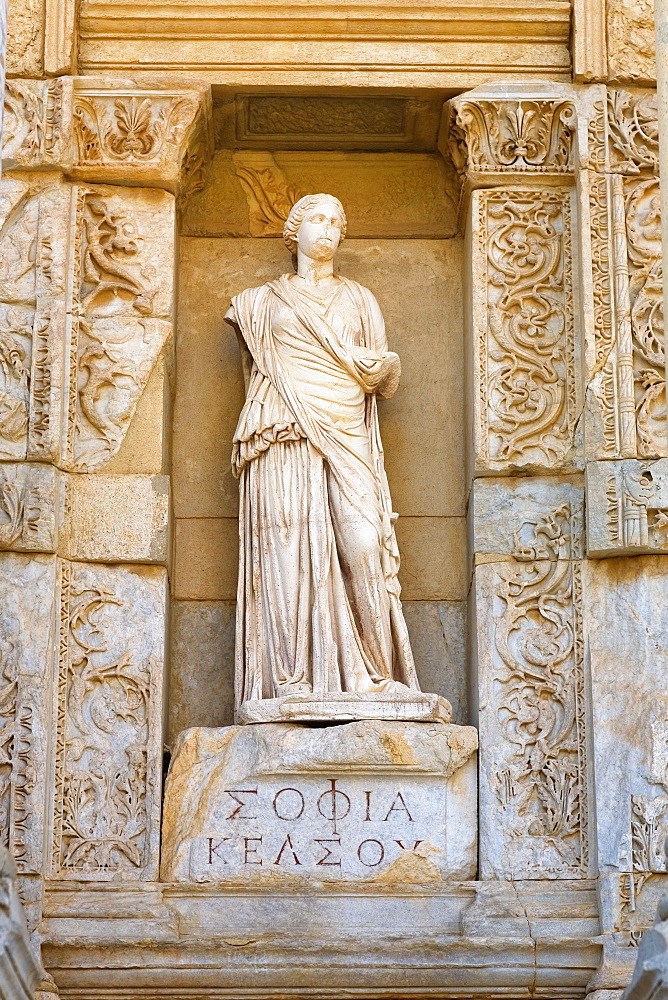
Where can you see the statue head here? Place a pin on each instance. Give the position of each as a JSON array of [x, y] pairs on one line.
[[315, 226]]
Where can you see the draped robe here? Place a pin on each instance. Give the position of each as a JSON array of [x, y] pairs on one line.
[[318, 603]]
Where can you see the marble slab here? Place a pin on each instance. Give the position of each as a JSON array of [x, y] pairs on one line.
[[389, 802], [328, 706]]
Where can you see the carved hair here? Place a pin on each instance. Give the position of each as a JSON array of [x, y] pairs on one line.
[[300, 209]]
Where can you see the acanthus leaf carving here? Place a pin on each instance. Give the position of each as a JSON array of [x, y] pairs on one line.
[[32, 131], [107, 770], [269, 195], [513, 136], [633, 131], [539, 704], [526, 350]]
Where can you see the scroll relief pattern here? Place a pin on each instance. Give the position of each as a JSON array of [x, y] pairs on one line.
[[107, 768], [18, 765], [115, 337], [539, 701], [32, 127], [527, 402], [628, 379]]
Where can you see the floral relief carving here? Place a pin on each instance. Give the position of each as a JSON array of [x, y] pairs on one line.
[[643, 229], [539, 703], [17, 762], [526, 352], [32, 122], [512, 136], [115, 340], [633, 130], [27, 507], [269, 195], [131, 128], [105, 783]]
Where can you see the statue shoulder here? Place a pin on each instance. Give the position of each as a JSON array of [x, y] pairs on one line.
[[364, 294], [244, 304]]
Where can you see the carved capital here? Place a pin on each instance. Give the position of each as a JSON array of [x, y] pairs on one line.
[[158, 137], [98, 130], [511, 135]]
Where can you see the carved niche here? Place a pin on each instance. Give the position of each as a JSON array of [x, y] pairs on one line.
[[533, 784], [108, 754]]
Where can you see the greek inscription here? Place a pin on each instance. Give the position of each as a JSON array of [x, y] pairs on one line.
[[323, 860], [367, 854], [329, 805], [287, 846], [401, 806], [251, 850], [214, 849], [288, 810], [234, 793], [403, 848]]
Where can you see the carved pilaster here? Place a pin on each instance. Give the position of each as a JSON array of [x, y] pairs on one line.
[[530, 668], [520, 148]]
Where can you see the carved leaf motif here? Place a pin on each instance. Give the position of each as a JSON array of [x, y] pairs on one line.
[[269, 195], [528, 347], [130, 128], [539, 704], [634, 131], [102, 813], [518, 135]]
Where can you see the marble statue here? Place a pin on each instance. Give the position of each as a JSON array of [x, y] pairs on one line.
[[319, 619]]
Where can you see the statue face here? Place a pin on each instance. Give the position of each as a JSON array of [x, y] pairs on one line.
[[320, 232]]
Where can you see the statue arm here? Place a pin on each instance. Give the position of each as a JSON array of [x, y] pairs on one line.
[[391, 367], [246, 356]]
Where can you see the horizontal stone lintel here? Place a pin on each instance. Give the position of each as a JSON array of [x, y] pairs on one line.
[[461, 939]]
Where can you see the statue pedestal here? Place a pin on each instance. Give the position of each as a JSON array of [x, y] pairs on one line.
[[328, 706], [388, 802]]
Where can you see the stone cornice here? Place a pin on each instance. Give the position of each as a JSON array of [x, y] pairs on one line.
[[411, 43]]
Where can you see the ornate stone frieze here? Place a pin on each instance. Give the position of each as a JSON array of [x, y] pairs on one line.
[[518, 136], [633, 132], [121, 285], [270, 196], [34, 125], [108, 752], [525, 366], [532, 711], [137, 134], [28, 507], [627, 507]]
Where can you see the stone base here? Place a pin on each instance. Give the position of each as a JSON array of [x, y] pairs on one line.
[[329, 706], [388, 802]]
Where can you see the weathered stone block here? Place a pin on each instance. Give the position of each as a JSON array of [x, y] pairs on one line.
[[29, 506], [627, 507], [116, 518], [504, 512], [288, 804]]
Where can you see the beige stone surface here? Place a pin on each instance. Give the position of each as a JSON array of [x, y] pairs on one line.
[[433, 558], [407, 277], [115, 519], [201, 678], [438, 634], [385, 194], [145, 447], [206, 559], [288, 804]]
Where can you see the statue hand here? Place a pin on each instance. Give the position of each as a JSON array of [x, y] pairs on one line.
[[390, 375]]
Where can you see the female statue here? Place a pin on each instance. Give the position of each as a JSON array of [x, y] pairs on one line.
[[318, 607]]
